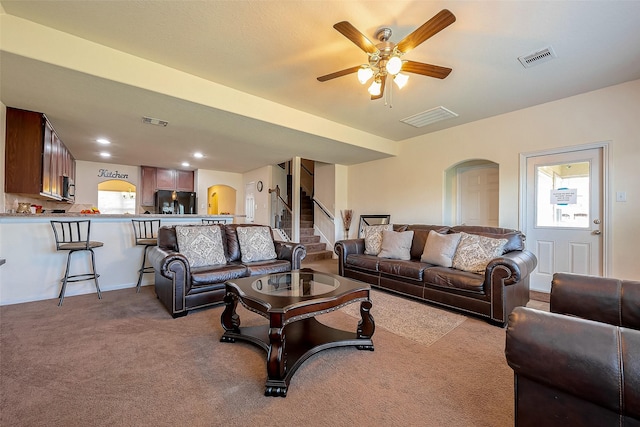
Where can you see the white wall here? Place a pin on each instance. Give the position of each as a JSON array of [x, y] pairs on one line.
[[207, 178], [262, 198], [410, 186], [90, 174]]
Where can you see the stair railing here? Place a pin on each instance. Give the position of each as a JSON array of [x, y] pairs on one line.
[[282, 213], [324, 224]]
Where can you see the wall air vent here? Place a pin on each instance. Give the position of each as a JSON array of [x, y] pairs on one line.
[[429, 117], [157, 122], [538, 57]]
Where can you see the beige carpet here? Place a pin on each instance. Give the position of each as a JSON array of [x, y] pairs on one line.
[[416, 321]]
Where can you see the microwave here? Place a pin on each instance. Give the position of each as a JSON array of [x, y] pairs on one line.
[[68, 188]]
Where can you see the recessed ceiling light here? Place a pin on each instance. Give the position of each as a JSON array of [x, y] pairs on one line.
[[103, 141], [185, 164], [198, 155], [105, 154]]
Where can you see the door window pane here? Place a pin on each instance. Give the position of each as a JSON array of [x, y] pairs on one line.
[[562, 195]]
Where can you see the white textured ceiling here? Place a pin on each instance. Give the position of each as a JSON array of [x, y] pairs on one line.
[[275, 50]]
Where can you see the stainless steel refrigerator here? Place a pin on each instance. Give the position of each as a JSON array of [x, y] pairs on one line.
[[175, 202]]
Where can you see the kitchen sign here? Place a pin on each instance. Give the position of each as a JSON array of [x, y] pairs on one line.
[[564, 196], [104, 173]]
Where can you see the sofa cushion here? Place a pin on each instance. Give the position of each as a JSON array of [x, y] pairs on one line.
[[420, 234], [201, 244], [256, 244], [373, 238], [406, 269], [268, 267], [455, 279], [364, 262], [206, 276], [440, 248], [396, 244], [474, 252]]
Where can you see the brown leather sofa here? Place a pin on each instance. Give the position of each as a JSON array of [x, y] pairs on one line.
[[578, 365], [492, 295], [182, 288]]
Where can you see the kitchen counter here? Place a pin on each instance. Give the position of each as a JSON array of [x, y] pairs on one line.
[[33, 267]]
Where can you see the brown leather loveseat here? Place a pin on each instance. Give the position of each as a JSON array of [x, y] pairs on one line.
[[580, 364], [491, 293], [182, 287]]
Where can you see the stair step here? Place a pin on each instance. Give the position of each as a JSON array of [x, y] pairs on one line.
[[309, 239], [315, 247], [316, 256]]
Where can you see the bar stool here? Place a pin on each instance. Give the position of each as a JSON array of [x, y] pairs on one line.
[[145, 232], [74, 236], [213, 221]]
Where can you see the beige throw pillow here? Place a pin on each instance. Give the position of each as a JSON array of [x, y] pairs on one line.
[[256, 244], [396, 245], [373, 238], [201, 244], [440, 248], [474, 252]]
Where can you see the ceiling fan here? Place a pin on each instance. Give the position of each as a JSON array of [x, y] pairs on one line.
[[384, 58]]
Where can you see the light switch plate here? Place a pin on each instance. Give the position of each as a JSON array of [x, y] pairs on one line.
[[621, 196]]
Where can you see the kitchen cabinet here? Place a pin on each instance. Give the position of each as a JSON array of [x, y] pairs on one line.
[[154, 179], [148, 187], [35, 157]]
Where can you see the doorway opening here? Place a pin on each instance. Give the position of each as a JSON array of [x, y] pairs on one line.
[[471, 193], [116, 196], [221, 200]]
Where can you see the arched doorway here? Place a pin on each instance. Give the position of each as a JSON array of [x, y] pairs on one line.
[[221, 200], [116, 196], [472, 193]]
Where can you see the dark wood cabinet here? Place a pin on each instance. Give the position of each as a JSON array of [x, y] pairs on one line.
[[165, 179], [148, 187], [154, 179], [35, 157], [184, 180]]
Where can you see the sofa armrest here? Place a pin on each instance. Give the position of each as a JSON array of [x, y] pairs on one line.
[[343, 248], [512, 266], [590, 360], [169, 263], [292, 252], [612, 301]]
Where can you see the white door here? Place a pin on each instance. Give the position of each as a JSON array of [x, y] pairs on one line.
[[564, 211], [478, 196], [249, 203]]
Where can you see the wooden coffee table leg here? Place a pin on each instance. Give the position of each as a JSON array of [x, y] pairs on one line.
[[276, 362], [230, 319], [366, 326]]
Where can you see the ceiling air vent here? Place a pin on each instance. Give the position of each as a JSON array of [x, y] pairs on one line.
[[538, 57], [157, 122], [429, 117]]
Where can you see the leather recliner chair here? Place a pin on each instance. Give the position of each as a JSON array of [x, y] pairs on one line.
[[578, 365]]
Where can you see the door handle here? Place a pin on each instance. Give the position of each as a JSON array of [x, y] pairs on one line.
[[596, 221], [596, 232]]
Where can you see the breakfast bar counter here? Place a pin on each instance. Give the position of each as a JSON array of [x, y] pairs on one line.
[[33, 267]]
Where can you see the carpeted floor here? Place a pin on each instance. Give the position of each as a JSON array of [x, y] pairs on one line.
[[123, 361]]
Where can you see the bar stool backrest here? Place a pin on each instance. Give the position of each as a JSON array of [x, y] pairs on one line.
[[145, 230], [213, 221], [75, 234]]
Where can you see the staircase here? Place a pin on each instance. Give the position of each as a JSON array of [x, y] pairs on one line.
[[315, 249]]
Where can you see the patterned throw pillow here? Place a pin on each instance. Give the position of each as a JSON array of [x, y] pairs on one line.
[[440, 248], [201, 244], [474, 252], [373, 238], [396, 245], [256, 244]]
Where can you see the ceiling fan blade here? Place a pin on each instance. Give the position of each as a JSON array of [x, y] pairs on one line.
[[433, 26], [360, 40], [425, 69], [339, 74], [383, 81]]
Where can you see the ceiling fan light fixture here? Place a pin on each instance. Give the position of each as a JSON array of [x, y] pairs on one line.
[[394, 65], [401, 80], [375, 88], [364, 74]]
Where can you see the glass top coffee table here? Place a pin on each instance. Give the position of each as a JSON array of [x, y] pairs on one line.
[[290, 301]]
